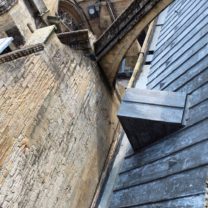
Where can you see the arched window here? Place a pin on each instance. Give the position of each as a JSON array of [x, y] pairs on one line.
[[71, 16]]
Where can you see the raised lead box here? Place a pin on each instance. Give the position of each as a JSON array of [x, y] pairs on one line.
[[150, 115]]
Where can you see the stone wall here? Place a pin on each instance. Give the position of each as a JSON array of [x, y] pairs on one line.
[[57, 123], [98, 24], [20, 17], [6, 5]]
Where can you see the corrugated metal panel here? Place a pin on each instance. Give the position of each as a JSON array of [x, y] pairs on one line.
[[173, 172]]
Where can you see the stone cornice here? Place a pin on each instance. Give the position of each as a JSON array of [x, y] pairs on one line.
[[21, 53]]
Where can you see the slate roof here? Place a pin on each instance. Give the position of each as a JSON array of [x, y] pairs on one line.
[[173, 172]]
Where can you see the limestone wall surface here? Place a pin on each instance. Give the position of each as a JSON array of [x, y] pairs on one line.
[[20, 17], [57, 123]]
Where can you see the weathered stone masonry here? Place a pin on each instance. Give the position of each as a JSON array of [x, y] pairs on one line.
[[57, 122]]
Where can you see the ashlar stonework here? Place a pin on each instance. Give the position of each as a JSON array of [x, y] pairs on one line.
[[57, 123]]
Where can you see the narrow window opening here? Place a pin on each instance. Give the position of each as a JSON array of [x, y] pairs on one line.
[[150, 52], [17, 36]]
